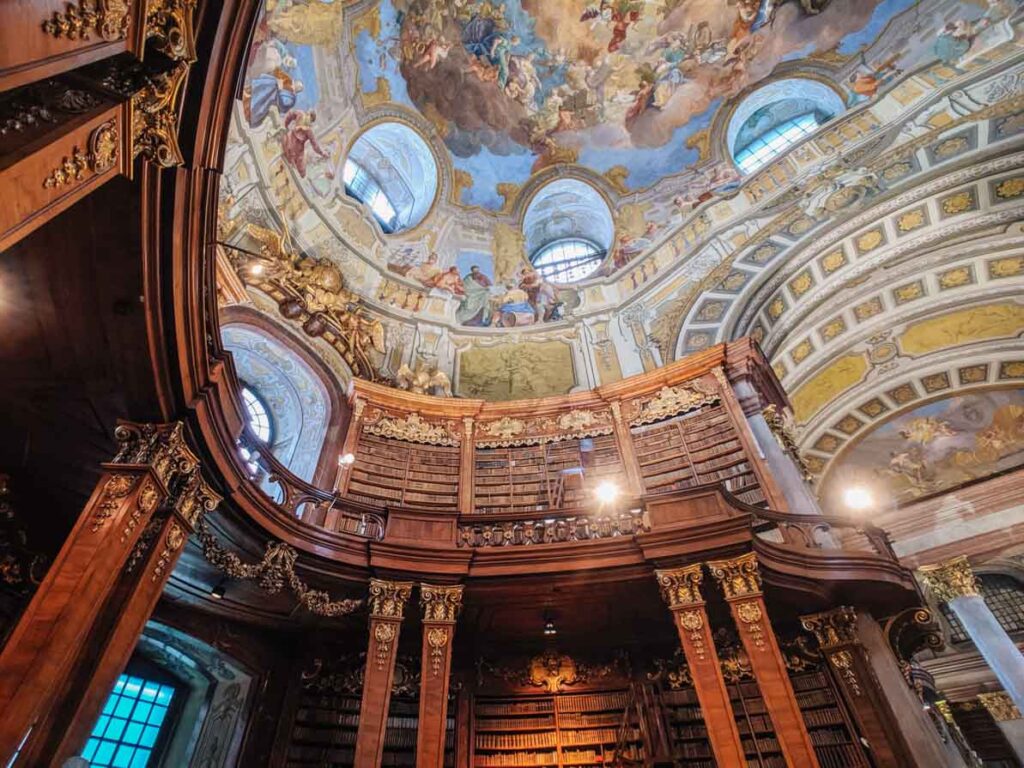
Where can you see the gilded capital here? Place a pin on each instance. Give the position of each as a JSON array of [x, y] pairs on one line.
[[951, 579], [738, 577], [196, 499], [387, 598], [160, 447], [832, 628], [1000, 706], [681, 586], [440, 603]]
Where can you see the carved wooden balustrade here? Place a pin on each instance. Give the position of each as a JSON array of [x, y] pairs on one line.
[[556, 528]]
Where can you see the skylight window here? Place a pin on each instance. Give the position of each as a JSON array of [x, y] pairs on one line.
[[363, 187], [568, 260], [128, 729], [259, 415], [775, 142]]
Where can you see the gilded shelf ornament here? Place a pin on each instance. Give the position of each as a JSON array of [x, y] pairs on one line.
[[383, 635], [387, 598], [437, 639], [173, 540], [671, 401], [672, 672], [71, 169], [504, 428], [951, 579], [154, 118], [738, 577], [843, 662], [104, 147], [440, 603], [115, 489], [750, 614], [411, 429], [169, 23], [272, 573], [783, 428], [107, 18], [680, 587], [692, 622], [735, 664], [1000, 706], [147, 500], [579, 421], [832, 628]]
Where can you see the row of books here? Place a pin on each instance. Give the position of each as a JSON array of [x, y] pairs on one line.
[[828, 737], [815, 698], [513, 723], [589, 702], [840, 756], [518, 758], [583, 720], [762, 744], [760, 723], [683, 732], [816, 718], [516, 707], [527, 740], [810, 681], [595, 736]]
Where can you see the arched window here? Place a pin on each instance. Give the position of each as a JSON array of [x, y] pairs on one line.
[[364, 188], [259, 415], [1004, 596], [774, 118], [391, 170], [568, 260], [568, 229]]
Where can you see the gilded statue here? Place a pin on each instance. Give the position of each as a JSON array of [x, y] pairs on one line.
[[425, 380]]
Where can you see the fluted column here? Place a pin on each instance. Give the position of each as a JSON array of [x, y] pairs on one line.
[[836, 633], [387, 609], [1007, 717], [680, 587], [467, 467], [440, 608], [953, 583], [741, 583], [81, 625]]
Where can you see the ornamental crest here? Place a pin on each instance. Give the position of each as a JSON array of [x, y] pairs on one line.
[[671, 401], [505, 427], [412, 429]]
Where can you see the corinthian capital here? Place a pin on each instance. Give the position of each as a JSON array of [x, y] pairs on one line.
[[739, 576], [1000, 706], [387, 598], [832, 628], [951, 579], [681, 586], [440, 603]]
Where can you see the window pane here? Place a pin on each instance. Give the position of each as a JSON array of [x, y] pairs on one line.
[[565, 261], [137, 720], [364, 188], [259, 423], [775, 142]]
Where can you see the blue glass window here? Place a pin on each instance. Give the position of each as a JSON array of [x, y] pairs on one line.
[[568, 260], [128, 728], [364, 188], [774, 142]]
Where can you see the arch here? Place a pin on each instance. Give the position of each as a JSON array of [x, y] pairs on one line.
[[296, 396], [571, 216], [773, 118], [391, 169]]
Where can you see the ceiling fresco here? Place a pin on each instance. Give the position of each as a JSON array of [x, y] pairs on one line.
[[935, 447]]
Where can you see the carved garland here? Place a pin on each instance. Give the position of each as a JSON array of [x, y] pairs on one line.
[[108, 18], [671, 401], [573, 425], [275, 571], [102, 155], [411, 429]]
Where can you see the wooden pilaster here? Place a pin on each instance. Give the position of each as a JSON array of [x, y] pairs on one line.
[[681, 589], [467, 467], [836, 634], [741, 583], [440, 608], [387, 608], [624, 441], [79, 607], [355, 426]]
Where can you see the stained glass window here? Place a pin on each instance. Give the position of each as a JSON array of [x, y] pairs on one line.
[[129, 727], [774, 142], [568, 260]]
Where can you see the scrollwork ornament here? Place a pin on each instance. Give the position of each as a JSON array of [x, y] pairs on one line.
[[412, 429], [108, 18], [154, 118], [671, 401], [104, 147], [71, 169], [440, 603], [169, 23]]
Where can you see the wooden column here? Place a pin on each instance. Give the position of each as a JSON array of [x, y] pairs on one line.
[[440, 607], [741, 583], [355, 426], [624, 441], [387, 608], [90, 604], [681, 589], [836, 634], [467, 467]]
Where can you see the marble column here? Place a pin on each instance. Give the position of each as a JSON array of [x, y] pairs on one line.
[[741, 583], [1007, 717], [953, 583], [387, 609], [680, 588], [440, 608]]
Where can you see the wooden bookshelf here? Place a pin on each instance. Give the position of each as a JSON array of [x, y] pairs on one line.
[[324, 731], [691, 747], [524, 479], [695, 448], [827, 720], [757, 733], [394, 472], [560, 731]]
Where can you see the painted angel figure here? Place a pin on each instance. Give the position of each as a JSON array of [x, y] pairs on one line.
[[298, 131]]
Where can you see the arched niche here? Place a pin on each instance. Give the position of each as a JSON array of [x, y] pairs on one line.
[[779, 115], [392, 157], [305, 401]]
